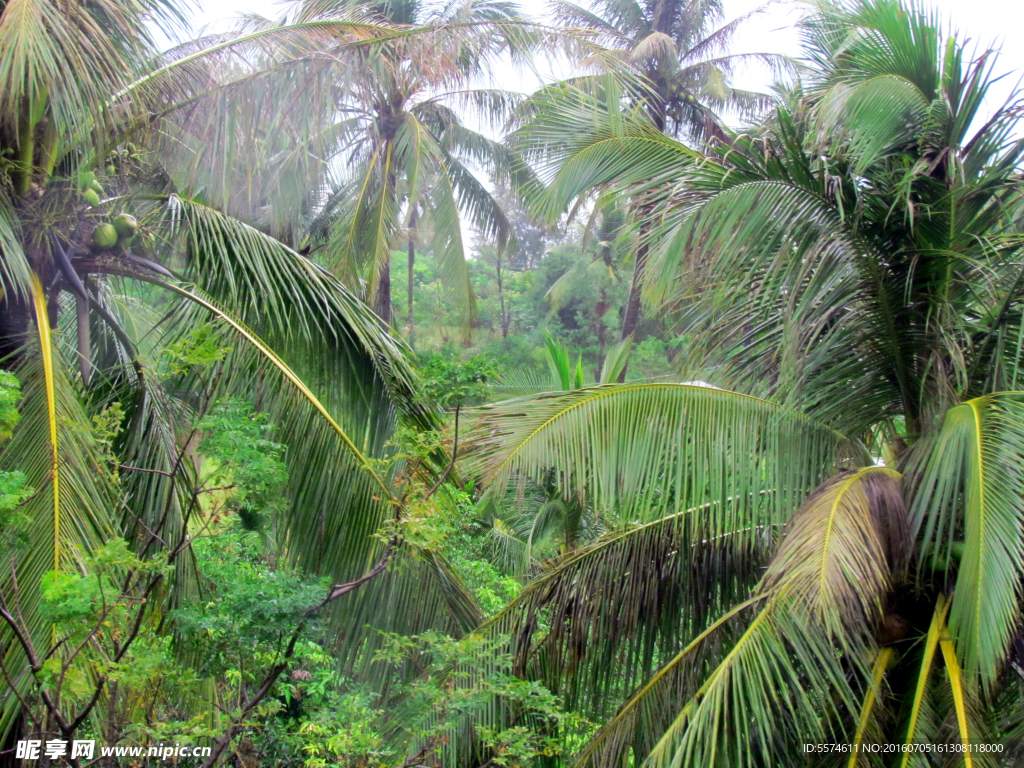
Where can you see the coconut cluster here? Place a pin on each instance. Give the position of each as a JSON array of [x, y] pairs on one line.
[[121, 229], [89, 188]]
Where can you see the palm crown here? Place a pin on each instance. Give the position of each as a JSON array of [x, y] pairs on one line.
[[405, 158], [682, 48]]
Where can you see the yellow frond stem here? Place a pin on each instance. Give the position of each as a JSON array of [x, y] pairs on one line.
[[881, 664], [46, 350], [290, 375], [956, 683], [931, 642]]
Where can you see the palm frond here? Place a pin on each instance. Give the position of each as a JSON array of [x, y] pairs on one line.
[[610, 445], [289, 297], [87, 502], [449, 250], [696, 482], [46, 354], [835, 564], [931, 644], [615, 359], [14, 266], [966, 478], [871, 117], [67, 60], [843, 551], [882, 660]]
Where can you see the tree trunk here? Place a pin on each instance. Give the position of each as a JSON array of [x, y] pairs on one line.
[[506, 318], [658, 110], [631, 317], [601, 308], [382, 301], [412, 264], [599, 311], [384, 309], [84, 343]]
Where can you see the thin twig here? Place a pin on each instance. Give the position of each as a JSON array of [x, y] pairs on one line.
[[10, 684], [451, 465], [143, 469], [343, 589]]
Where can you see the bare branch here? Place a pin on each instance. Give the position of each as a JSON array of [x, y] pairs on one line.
[[451, 464]]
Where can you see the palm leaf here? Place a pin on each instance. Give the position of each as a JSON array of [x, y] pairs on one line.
[[823, 591], [14, 266], [845, 548], [882, 660], [66, 523], [610, 445], [615, 359], [695, 481], [966, 478], [46, 353], [956, 682], [775, 673]]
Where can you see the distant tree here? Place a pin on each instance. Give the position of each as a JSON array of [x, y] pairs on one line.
[[402, 147], [680, 49], [599, 266]]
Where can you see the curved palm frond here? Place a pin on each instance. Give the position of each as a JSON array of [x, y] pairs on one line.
[[14, 267], [965, 481], [700, 481], [74, 507], [840, 554], [611, 445]]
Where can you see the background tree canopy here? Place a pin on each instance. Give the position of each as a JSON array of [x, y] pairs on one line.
[[697, 436]]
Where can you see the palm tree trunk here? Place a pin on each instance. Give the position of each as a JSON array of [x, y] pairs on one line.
[[631, 317], [412, 264], [84, 343], [599, 312], [506, 316], [384, 309], [601, 308], [658, 108]]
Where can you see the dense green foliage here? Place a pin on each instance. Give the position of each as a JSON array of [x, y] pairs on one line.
[[709, 447]]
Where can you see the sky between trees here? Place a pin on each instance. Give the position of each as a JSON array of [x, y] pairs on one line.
[[987, 21]]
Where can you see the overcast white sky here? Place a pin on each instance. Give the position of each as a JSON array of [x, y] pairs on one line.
[[987, 23]]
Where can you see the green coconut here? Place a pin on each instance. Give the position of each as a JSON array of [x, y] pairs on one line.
[[91, 197], [125, 224], [111, 170], [85, 178], [95, 187], [104, 236]]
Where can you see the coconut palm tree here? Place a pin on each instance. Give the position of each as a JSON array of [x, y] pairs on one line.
[[852, 271], [98, 220], [681, 49], [405, 158]]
